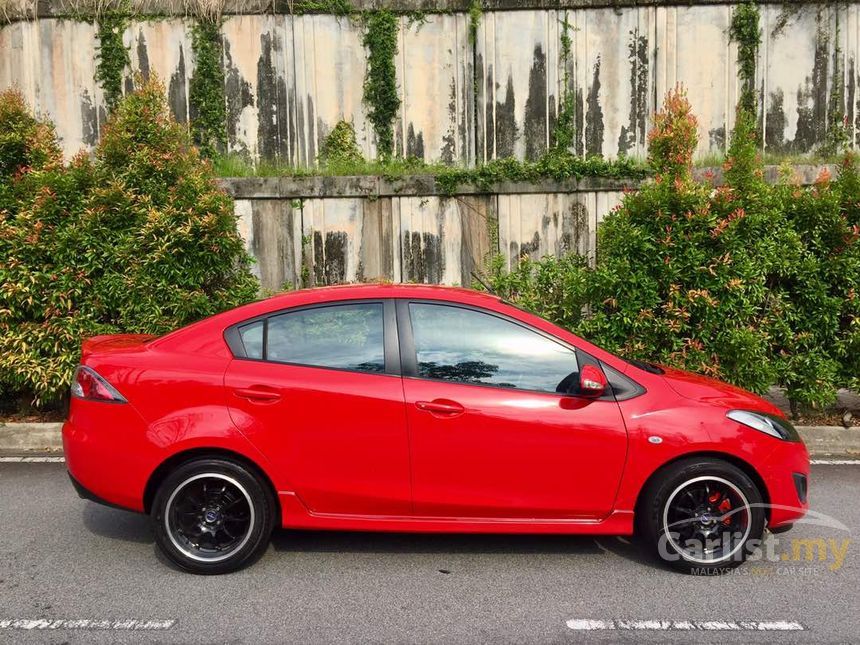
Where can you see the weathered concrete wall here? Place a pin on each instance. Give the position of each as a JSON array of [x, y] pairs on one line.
[[290, 78], [326, 230], [420, 238], [53, 63]]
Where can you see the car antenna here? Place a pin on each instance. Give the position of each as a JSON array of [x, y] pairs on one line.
[[482, 283]]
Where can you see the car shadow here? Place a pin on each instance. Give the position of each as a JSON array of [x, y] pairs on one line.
[[116, 524], [296, 541]]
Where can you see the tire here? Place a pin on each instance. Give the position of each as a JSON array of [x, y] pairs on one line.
[[699, 503], [213, 516]]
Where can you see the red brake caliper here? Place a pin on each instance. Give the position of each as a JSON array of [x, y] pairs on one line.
[[724, 507]]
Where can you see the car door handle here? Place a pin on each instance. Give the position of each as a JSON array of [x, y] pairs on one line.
[[257, 395], [441, 407]]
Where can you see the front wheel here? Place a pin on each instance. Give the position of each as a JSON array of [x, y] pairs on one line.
[[212, 516], [702, 516]]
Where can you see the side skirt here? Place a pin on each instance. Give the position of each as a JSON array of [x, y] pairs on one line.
[[296, 516]]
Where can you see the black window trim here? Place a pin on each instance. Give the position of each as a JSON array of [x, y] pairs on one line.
[[391, 352], [409, 355]]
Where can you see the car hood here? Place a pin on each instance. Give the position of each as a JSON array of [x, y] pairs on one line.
[[714, 392]]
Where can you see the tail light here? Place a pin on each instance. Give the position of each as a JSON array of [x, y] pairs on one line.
[[89, 384]]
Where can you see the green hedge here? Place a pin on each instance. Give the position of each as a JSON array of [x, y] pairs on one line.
[[753, 283], [136, 239]]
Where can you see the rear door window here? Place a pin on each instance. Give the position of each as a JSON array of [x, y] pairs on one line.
[[347, 336]]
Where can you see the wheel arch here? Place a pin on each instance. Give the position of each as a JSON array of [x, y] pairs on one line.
[[736, 461], [192, 454]]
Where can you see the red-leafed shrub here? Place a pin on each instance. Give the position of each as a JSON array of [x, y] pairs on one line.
[[138, 239], [753, 283]]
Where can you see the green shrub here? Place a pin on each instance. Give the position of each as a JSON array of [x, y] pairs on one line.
[[818, 329], [139, 239], [748, 282], [28, 147], [340, 145]]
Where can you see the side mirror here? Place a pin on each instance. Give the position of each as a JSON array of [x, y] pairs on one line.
[[592, 381]]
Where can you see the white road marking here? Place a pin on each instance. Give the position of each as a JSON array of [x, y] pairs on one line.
[[85, 623], [835, 462], [586, 625]]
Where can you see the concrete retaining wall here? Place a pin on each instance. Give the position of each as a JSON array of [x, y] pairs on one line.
[[369, 229], [325, 230], [290, 78]]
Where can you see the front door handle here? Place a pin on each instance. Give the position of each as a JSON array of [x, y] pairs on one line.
[[441, 407], [256, 395]]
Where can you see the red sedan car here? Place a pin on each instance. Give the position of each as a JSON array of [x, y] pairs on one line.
[[420, 408]]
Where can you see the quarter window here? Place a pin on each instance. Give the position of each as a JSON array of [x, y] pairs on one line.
[[252, 339], [468, 346], [346, 337]]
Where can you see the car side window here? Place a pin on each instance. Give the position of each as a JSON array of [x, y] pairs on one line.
[[468, 346], [252, 338], [348, 336]]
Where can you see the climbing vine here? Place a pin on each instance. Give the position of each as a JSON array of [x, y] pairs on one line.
[[476, 10], [380, 82], [112, 57], [836, 137], [206, 100], [745, 31], [565, 128]]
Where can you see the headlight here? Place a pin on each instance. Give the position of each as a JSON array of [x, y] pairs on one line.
[[774, 426]]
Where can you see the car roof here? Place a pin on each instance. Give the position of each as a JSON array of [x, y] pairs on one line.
[[320, 295], [206, 336], [377, 290]]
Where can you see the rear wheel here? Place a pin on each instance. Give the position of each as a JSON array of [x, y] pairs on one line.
[[213, 516], [702, 516]]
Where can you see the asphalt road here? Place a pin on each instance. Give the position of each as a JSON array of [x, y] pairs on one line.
[[64, 559]]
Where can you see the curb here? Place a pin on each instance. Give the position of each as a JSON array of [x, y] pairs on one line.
[[831, 441], [822, 441], [31, 437]]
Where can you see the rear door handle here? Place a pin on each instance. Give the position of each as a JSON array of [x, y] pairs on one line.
[[441, 407], [257, 395]]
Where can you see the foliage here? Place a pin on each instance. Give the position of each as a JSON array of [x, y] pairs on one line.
[[331, 7], [236, 165], [12, 10], [113, 55], [556, 165], [207, 106], [559, 166], [340, 145], [818, 323], [27, 148], [380, 83], [836, 137], [138, 239], [476, 11], [745, 31], [672, 140], [748, 282], [564, 133]]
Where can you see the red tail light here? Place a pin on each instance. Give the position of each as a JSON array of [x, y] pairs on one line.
[[88, 384]]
